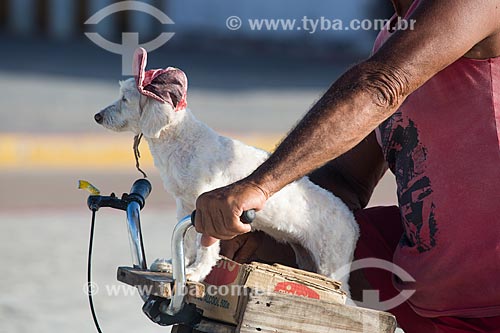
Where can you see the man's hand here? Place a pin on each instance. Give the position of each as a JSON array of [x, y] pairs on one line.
[[218, 212]]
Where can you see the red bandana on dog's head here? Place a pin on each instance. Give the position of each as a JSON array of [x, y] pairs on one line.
[[165, 85]]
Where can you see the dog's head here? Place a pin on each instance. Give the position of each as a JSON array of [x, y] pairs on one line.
[[149, 103]]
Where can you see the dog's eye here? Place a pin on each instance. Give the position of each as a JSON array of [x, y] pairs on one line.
[[124, 99]]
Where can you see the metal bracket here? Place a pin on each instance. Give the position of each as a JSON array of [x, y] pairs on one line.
[[179, 266]]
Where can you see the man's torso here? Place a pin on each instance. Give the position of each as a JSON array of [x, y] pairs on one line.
[[443, 147]]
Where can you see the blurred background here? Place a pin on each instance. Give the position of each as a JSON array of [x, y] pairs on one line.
[[248, 84]]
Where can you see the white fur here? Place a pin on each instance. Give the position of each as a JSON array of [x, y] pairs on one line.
[[193, 159]]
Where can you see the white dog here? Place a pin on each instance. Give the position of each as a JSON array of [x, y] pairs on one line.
[[194, 159]]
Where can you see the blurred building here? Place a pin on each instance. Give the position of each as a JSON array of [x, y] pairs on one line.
[[205, 19]]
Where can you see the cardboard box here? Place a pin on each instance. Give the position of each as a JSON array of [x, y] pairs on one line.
[[227, 287]]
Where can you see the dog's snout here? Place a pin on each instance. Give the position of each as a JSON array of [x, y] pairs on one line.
[[98, 118]]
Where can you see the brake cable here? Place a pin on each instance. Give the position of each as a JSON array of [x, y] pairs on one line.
[[90, 290], [139, 192]]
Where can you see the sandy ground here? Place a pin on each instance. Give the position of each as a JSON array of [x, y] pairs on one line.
[[44, 272], [49, 89]]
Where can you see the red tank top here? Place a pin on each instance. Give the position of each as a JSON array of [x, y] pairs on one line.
[[443, 146]]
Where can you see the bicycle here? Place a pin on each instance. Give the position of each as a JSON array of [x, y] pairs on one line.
[[165, 295]]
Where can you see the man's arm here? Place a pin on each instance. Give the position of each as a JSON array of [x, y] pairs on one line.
[[354, 106], [353, 176]]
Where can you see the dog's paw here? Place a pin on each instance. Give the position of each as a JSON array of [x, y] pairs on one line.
[[161, 265], [206, 258], [190, 246], [198, 272]]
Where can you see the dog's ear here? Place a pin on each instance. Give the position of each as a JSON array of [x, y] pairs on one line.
[[164, 85], [153, 120], [170, 86]]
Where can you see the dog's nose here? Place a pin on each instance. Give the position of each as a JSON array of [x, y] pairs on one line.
[[98, 118]]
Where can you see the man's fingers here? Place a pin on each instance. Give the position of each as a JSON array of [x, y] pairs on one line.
[[217, 223], [221, 228], [239, 227], [206, 225], [207, 240], [198, 223], [218, 212], [234, 225], [209, 227]]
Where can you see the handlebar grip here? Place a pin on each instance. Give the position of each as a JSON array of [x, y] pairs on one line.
[[247, 217], [140, 191]]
